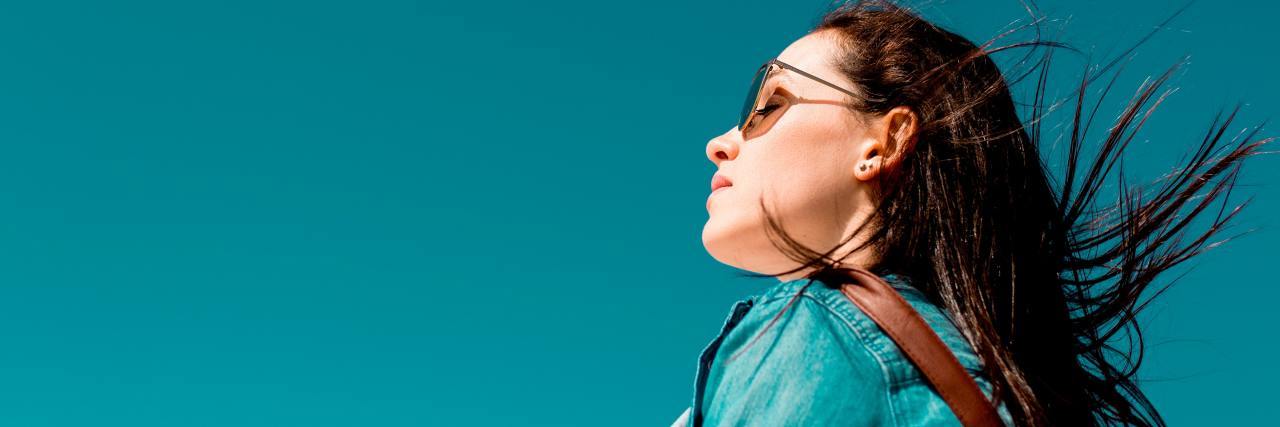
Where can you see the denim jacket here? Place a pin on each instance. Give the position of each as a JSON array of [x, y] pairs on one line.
[[823, 363]]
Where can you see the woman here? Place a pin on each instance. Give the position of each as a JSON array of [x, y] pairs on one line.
[[883, 142]]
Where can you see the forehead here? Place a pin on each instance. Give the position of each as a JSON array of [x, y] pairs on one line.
[[813, 53]]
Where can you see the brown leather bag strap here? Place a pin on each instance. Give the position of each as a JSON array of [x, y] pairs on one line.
[[912, 334]]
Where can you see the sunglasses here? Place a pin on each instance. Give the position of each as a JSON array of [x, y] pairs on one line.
[[750, 110]]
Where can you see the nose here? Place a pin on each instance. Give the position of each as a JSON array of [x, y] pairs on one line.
[[723, 147]]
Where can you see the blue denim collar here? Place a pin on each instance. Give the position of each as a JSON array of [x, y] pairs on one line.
[[791, 287]]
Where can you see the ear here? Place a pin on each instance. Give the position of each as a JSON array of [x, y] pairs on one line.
[[891, 136]]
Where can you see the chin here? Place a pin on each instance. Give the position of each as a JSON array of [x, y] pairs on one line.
[[716, 240], [730, 241], [724, 243]]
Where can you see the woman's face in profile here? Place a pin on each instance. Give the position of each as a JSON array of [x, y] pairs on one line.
[[800, 156]]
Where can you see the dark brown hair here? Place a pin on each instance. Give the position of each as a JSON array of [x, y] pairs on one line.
[[1040, 278]]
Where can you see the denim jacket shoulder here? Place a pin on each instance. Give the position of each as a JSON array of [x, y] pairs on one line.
[[821, 362]]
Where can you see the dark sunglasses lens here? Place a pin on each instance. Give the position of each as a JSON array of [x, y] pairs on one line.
[[750, 104]]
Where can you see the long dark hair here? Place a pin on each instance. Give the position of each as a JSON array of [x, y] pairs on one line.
[[1039, 277]]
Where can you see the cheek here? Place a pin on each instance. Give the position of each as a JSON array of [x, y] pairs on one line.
[[812, 160], [811, 186], [808, 187]]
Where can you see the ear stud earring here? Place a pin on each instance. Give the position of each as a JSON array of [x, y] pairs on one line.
[[862, 167]]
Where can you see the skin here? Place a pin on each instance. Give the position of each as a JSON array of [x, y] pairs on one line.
[[803, 158]]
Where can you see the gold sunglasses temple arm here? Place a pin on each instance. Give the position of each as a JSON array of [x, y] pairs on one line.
[[815, 78]]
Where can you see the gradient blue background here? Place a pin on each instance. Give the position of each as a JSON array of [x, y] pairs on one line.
[[411, 213]]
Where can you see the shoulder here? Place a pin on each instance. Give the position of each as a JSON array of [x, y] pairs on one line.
[[804, 343], [819, 303], [797, 356]]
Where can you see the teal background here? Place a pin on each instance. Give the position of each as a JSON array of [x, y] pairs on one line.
[[413, 213]]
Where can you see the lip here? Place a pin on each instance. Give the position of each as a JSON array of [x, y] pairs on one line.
[[719, 181]]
